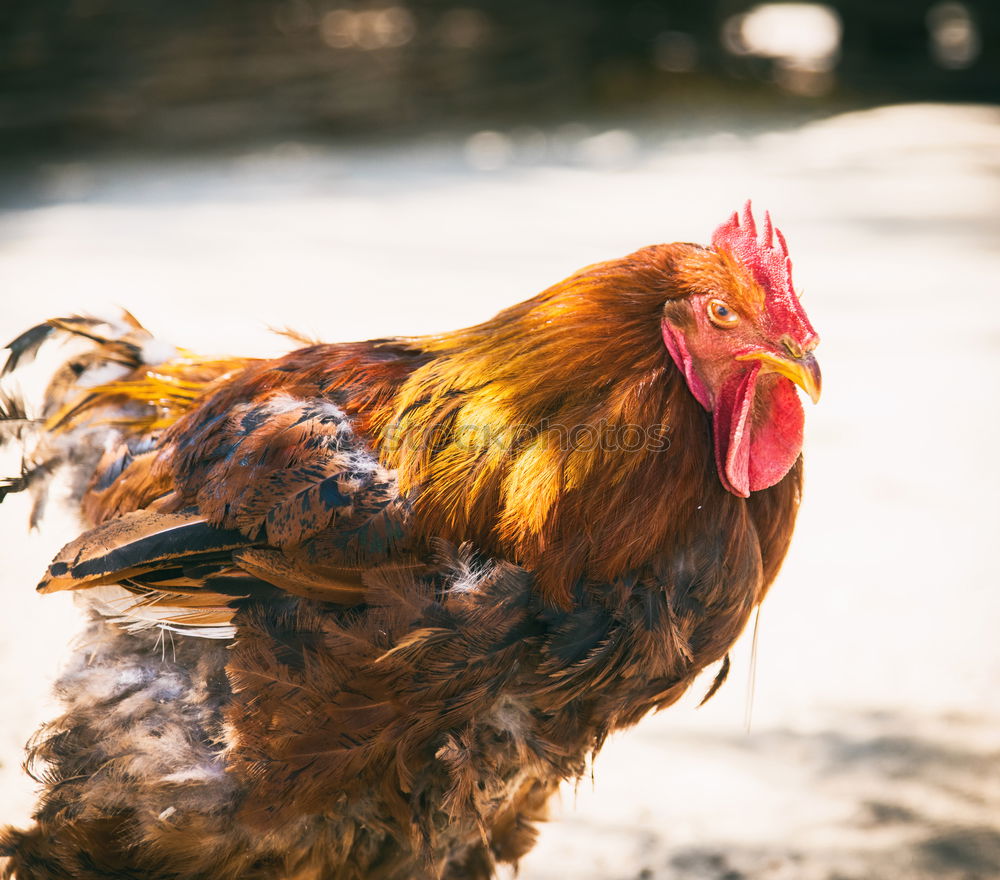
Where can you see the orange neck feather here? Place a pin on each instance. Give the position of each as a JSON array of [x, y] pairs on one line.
[[482, 437]]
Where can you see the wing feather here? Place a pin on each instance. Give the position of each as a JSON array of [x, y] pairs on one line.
[[136, 543], [276, 494]]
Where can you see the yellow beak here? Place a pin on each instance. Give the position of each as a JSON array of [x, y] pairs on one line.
[[803, 371]]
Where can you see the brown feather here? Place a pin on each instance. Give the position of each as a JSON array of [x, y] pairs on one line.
[[439, 607]]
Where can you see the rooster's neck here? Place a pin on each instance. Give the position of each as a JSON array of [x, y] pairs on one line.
[[559, 435]]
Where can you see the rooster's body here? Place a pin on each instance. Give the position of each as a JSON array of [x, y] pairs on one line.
[[359, 610]]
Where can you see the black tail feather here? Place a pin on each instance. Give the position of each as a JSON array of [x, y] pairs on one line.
[[11, 485], [25, 347], [14, 420], [23, 481]]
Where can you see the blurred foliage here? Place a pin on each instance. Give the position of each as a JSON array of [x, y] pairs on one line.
[[189, 71]]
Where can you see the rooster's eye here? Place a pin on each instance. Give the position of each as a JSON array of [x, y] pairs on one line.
[[721, 315]]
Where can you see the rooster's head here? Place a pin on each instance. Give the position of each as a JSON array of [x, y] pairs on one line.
[[742, 340]]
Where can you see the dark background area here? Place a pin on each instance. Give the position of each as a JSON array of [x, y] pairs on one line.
[[172, 73]]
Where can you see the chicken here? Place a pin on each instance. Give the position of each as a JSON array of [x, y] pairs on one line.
[[358, 611]]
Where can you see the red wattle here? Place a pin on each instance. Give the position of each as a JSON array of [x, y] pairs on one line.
[[757, 429]]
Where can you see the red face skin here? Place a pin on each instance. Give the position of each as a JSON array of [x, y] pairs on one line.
[[742, 349]]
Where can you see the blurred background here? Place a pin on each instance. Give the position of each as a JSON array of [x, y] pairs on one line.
[[358, 169]]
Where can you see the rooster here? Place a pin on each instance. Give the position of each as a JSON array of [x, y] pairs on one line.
[[356, 612]]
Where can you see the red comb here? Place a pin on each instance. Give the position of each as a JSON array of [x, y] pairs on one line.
[[766, 256]]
